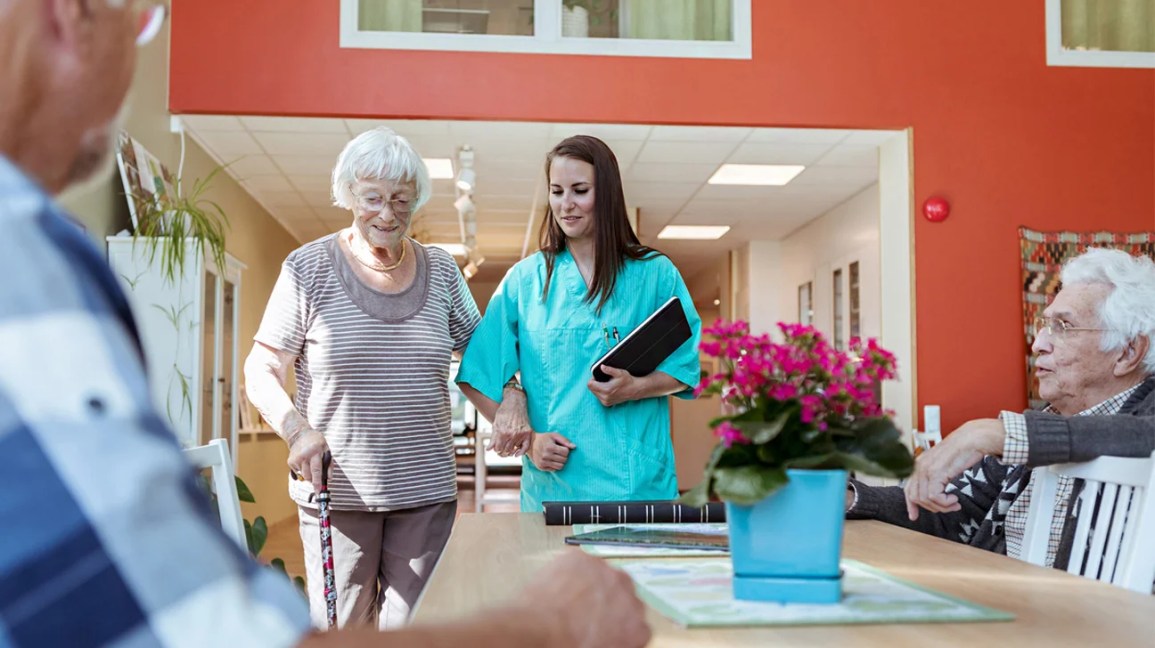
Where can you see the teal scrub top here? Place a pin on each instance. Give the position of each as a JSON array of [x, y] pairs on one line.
[[623, 452]]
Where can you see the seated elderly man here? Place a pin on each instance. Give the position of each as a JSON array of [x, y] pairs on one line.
[[1095, 366]]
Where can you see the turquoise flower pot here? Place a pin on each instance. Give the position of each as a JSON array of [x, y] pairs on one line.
[[787, 547]]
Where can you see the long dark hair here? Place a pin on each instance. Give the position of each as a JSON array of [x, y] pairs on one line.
[[614, 240]]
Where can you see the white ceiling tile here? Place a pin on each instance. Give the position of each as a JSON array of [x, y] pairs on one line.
[[275, 199], [317, 198], [407, 128], [302, 165], [500, 185], [228, 144], [669, 172], [264, 183], [839, 177], [626, 151], [606, 132], [799, 135], [488, 130], [252, 165], [295, 125], [698, 133], [313, 182], [686, 152], [303, 143], [847, 155], [777, 153], [639, 193], [212, 122], [871, 137]]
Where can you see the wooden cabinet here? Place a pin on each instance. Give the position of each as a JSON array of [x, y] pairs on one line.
[[188, 326]]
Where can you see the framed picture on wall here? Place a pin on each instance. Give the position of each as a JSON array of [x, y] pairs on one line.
[[805, 309]]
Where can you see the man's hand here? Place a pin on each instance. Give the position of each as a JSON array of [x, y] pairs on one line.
[[512, 433], [305, 451], [550, 451], [588, 603], [621, 387], [937, 467]]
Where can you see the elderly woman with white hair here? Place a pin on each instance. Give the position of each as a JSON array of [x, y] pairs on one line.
[[368, 319]]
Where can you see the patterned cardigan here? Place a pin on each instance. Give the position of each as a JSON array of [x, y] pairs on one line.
[[987, 489]]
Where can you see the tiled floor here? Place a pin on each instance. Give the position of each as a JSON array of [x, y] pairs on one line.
[[284, 539]]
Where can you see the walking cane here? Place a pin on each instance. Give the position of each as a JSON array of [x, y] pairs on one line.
[[327, 542]]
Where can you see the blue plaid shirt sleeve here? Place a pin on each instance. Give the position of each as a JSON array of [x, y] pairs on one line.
[[105, 537]]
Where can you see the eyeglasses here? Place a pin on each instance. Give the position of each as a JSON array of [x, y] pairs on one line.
[[373, 204], [1058, 328], [150, 17]]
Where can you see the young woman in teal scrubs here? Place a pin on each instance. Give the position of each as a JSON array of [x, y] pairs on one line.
[[558, 311]]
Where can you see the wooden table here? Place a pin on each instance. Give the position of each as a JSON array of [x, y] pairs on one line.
[[491, 556]]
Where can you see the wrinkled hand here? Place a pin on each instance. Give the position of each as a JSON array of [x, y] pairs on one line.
[[589, 603], [621, 387], [512, 433], [937, 467], [305, 452], [550, 451]]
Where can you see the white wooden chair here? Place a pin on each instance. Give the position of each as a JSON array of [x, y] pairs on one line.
[[924, 441], [1115, 528], [215, 456]]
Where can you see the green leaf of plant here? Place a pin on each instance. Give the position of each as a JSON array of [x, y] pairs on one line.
[[747, 484], [812, 461], [243, 492], [876, 449], [260, 534], [760, 432], [279, 565], [698, 495], [249, 536]]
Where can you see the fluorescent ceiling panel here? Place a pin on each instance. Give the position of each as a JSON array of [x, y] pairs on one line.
[[694, 232], [439, 168], [755, 174]]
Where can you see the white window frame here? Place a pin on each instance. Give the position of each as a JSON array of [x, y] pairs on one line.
[[547, 38], [1059, 57]]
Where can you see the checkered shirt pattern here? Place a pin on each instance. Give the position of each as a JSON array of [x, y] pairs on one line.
[[105, 536], [1016, 450]]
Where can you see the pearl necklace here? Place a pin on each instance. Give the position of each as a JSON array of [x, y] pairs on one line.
[[378, 266]]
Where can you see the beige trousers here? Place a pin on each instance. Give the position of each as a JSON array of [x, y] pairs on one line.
[[381, 561]]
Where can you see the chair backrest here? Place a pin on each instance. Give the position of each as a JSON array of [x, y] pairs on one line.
[[924, 441], [1114, 538], [216, 457]]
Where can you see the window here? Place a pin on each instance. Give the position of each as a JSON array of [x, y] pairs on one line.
[[668, 28], [1101, 33], [839, 336], [855, 306], [805, 309]]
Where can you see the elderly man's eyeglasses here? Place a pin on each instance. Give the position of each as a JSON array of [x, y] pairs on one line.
[[1058, 328], [373, 204], [149, 19]]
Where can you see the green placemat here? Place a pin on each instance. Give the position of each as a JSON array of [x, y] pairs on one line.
[[622, 551], [697, 592]]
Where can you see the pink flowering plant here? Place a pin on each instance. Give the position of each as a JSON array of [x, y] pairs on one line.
[[796, 404]]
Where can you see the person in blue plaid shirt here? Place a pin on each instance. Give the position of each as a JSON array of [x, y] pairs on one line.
[[105, 537]]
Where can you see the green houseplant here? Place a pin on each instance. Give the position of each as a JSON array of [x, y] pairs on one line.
[[800, 414], [177, 223]]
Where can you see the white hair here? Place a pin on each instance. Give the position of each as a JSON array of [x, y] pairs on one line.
[[379, 154], [1129, 309]]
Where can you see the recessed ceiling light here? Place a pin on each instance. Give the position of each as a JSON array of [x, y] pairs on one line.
[[694, 232], [456, 249], [755, 174], [439, 168]]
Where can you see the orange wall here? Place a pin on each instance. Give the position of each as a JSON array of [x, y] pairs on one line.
[[1008, 140]]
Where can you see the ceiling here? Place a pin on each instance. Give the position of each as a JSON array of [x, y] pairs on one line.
[[285, 162]]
